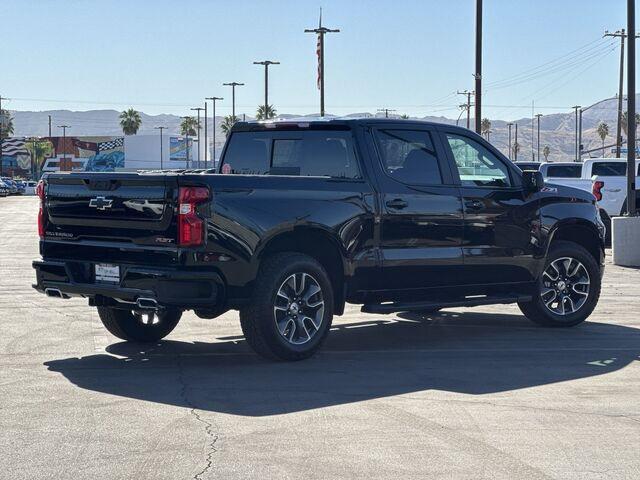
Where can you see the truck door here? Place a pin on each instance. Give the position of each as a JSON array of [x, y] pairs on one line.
[[421, 221], [498, 246]]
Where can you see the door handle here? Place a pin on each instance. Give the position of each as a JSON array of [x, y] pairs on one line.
[[473, 204], [397, 203]]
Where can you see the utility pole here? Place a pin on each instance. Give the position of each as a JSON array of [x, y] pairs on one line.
[[49, 125], [64, 145], [468, 94], [233, 86], [266, 64], [186, 139], [198, 109], [161, 147], [478, 74], [213, 155], [509, 152], [1, 139], [631, 109], [515, 152], [576, 108], [538, 115], [622, 35], [321, 32], [386, 111]]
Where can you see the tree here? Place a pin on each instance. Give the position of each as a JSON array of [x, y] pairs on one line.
[[7, 123], [485, 127], [516, 149], [265, 113], [404, 116], [189, 126], [603, 131], [546, 151], [130, 121], [228, 122], [625, 125]]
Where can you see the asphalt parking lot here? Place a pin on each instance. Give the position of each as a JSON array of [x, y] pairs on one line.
[[466, 394]]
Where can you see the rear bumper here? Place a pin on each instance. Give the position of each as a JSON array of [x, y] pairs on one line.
[[185, 289]]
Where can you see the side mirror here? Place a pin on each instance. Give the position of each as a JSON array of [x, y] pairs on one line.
[[532, 181]]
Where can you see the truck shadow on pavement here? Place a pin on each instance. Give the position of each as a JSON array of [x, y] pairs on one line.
[[471, 353]]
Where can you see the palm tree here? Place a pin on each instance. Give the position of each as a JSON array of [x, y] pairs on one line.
[[603, 131], [404, 116], [189, 126], [485, 127], [130, 121], [625, 125], [228, 122], [7, 124], [265, 113], [546, 151]]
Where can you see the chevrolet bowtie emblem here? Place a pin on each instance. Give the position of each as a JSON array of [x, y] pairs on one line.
[[101, 203]]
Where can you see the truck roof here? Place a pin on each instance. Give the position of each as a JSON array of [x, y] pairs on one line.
[[329, 122]]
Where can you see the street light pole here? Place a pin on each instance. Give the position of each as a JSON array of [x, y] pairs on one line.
[[509, 153], [213, 101], [206, 145], [198, 109], [478, 74], [1, 139], [321, 32], [233, 86], [64, 144], [266, 64], [161, 147]]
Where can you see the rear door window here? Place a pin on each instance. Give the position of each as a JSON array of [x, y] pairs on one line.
[[564, 171], [409, 156], [609, 169]]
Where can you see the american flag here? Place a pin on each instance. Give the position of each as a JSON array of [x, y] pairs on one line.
[[319, 54]]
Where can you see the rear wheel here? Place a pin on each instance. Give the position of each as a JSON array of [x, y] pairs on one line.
[[568, 289], [290, 312], [139, 327]]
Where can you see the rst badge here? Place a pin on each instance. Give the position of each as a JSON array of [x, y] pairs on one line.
[[101, 203]]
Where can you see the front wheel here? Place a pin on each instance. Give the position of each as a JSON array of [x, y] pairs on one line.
[[139, 327], [290, 312], [568, 289]]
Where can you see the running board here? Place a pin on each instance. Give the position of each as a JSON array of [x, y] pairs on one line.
[[463, 302]]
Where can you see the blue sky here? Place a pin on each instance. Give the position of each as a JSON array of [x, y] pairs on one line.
[[410, 55]]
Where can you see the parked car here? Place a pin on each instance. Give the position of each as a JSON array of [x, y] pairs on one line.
[[13, 187], [30, 187], [306, 215], [4, 189]]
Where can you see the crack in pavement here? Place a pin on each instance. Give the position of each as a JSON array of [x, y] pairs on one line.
[[208, 426]]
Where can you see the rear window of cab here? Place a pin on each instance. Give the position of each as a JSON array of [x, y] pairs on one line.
[[300, 153]]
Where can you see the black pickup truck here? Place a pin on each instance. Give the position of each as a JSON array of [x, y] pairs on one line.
[[303, 216]]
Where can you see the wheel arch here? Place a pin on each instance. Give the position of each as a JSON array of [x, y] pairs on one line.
[[321, 246], [582, 233]]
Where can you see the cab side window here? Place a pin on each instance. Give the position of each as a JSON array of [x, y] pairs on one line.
[[409, 156], [477, 166]]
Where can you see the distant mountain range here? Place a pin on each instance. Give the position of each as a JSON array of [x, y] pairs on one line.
[[556, 130]]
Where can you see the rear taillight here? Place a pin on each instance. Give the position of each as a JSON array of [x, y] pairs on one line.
[[40, 193], [596, 189], [190, 225]]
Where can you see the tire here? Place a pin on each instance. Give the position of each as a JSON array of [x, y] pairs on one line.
[[133, 327], [274, 325], [580, 305]]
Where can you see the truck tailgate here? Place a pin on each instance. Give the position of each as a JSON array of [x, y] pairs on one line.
[[118, 208]]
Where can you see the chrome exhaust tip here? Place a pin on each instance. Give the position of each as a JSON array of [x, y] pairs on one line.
[[147, 304], [53, 292]]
